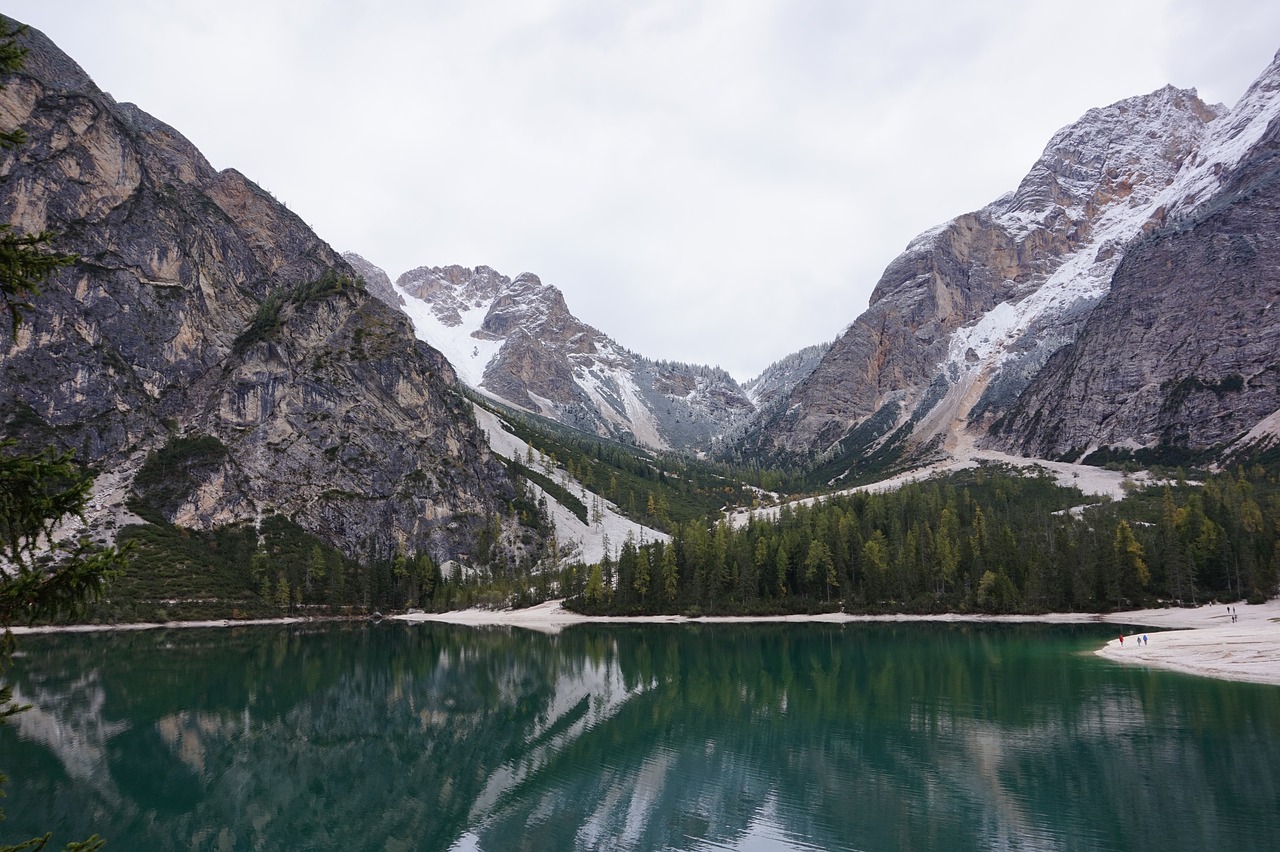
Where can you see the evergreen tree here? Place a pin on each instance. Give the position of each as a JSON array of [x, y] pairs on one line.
[[781, 566], [1172, 552], [283, 592], [670, 573], [947, 549], [315, 566], [818, 567], [1131, 567], [640, 581], [594, 592], [875, 563], [628, 568]]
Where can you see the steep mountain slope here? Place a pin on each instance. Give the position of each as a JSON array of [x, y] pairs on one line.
[[961, 321], [516, 340], [201, 307], [778, 379], [376, 281], [1184, 351]]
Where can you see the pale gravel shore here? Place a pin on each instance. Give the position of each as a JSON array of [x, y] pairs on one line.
[[158, 625], [1204, 641], [1201, 640], [552, 616]]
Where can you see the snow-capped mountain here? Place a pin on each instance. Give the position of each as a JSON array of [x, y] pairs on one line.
[[516, 341], [1183, 353], [970, 313]]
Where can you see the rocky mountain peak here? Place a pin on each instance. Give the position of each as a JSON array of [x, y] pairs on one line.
[[962, 320], [516, 340], [453, 291], [1181, 354], [1125, 153], [202, 310], [377, 281]]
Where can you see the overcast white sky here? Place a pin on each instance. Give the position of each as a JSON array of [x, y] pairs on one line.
[[717, 182]]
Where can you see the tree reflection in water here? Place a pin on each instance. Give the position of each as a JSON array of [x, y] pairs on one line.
[[641, 737]]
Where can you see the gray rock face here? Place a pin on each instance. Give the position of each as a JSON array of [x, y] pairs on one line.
[[1184, 352], [778, 379], [516, 340], [968, 316], [189, 312], [376, 281]]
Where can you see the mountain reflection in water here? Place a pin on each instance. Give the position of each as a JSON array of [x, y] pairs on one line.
[[762, 736]]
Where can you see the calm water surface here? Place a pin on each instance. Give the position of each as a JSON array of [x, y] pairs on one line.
[[755, 737]]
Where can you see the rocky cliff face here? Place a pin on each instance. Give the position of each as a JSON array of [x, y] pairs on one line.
[[200, 306], [516, 340], [1184, 351], [970, 313], [777, 380], [377, 282]]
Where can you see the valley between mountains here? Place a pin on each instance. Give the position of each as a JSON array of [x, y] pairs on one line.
[[1075, 389]]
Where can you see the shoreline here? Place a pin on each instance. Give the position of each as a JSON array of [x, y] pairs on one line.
[[1203, 641], [165, 625], [553, 617]]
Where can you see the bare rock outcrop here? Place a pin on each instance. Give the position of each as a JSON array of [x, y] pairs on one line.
[[200, 306], [376, 281], [516, 340], [967, 318], [1183, 354]]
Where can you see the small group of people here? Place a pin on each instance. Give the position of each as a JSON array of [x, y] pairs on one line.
[[1231, 611], [1140, 640]]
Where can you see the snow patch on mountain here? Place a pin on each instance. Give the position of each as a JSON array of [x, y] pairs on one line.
[[618, 399], [1113, 184], [455, 336], [515, 340], [578, 541]]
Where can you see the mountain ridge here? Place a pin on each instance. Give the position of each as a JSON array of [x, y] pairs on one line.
[[964, 319], [200, 306], [516, 340]]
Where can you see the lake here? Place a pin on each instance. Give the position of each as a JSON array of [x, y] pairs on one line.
[[756, 737]]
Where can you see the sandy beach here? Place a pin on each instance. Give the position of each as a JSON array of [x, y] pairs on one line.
[[1203, 640], [165, 625]]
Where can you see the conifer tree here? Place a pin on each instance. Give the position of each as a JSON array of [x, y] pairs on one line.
[[594, 592], [315, 566], [640, 577], [1130, 566], [670, 573], [781, 559]]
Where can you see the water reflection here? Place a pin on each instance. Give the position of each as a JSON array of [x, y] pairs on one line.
[[639, 737]]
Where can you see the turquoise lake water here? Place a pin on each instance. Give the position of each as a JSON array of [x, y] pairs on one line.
[[754, 737]]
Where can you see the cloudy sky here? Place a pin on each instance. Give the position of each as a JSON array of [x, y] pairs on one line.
[[717, 182]]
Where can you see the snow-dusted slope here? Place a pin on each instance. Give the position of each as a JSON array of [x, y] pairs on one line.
[[973, 309], [1170, 170], [779, 378], [516, 341], [577, 540], [1183, 353]]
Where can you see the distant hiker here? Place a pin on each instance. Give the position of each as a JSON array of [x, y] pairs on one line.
[[1121, 638], [1144, 638]]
